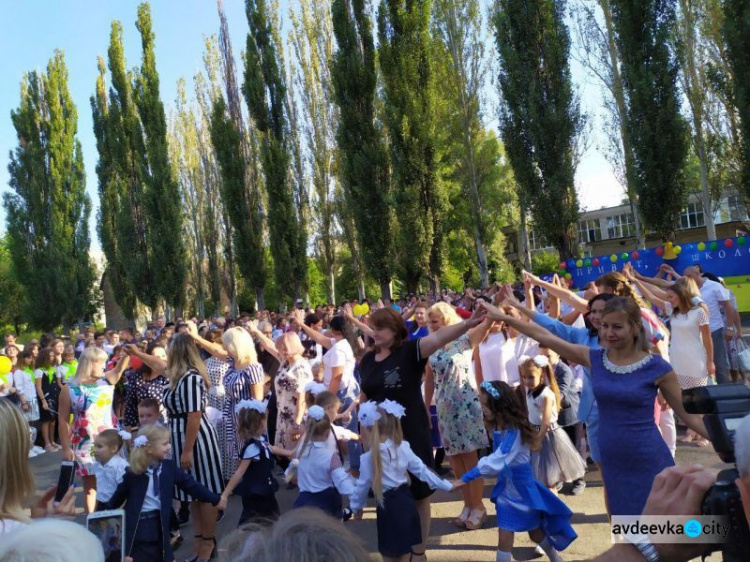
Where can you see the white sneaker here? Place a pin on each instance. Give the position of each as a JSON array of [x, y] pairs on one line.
[[38, 450], [32, 454]]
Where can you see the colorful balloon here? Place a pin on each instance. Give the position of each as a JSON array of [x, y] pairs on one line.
[[595, 262], [701, 246], [568, 276], [714, 246], [677, 250], [563, 265], [741, 240], [613, 258], [587, 263], [728, 242], [5, 365], [579, 263], [659, 251], [136, 362], [635, 255], [624, 256]]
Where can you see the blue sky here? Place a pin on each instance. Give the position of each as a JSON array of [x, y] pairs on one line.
[[31, 30]]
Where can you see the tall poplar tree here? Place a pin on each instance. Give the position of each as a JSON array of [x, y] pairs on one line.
[[265, 92], [364, 160], [539, 114], [737, 34], [657, 130], [48, 211], [405, 62], [162, 193]]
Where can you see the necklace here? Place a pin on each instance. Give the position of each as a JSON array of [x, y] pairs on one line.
[[624, 369]]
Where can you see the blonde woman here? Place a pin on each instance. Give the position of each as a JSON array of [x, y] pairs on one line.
[[293, 375], [88, 396], [16, 476], [450, 378], [194, 439], [244, 379]]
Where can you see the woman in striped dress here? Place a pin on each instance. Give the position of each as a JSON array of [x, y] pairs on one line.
[[244, 379], [193, 438]]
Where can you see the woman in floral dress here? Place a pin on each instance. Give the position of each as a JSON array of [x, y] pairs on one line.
[[88, 396], [293, 375], [450, 377]]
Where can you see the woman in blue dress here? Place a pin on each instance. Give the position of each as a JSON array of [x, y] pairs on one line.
[[626, 378]]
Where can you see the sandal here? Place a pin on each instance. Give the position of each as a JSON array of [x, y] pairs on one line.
[[476, 519], [422, 555], [460, 521], [702, 443], [194, 557]]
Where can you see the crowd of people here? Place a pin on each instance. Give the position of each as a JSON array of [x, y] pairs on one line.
[[525, 383]]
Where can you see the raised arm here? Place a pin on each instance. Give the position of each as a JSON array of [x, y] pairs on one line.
[[317, 337], [573, 352], [431, 343], [363, 327], [157, 365], [266, 342], [580, 304], [114, 375], [215, 349]]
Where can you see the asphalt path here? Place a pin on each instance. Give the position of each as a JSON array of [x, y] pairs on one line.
[[447, 542]]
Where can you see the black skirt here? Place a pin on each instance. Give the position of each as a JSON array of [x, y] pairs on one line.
[[328, 500], [259, 509], [398, 523]]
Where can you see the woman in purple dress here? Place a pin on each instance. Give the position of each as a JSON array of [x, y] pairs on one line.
[[626, 378]]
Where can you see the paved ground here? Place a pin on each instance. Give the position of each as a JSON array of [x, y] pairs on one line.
[[448, 543]]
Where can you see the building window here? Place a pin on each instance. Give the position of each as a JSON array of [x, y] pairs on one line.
[[588, 231], [537, 241], [737, 208], [692, 216], [621, 226]]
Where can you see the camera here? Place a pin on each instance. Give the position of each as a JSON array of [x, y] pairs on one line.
[[723, 407]]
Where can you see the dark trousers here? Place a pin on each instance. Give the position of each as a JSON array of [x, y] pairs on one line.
[[148, 545], [264, 509]]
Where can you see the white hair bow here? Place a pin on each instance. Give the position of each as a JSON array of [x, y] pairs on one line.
[[541, 361], [368, 413], [393, 408], [125, 435], [316, 413], [140, 441], [256, 405], [315, 388]]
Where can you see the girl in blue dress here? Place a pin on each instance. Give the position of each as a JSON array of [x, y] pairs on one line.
[[626, 378], [523, 503]]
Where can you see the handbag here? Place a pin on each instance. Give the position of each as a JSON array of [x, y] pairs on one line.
[[743, 355]]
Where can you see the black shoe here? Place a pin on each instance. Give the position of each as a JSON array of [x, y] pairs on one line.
[[176, 540], [578, 487], [220, 516], [346, 514], [183, 516]]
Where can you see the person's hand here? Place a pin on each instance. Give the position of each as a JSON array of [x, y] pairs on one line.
[[222, 505], [45, 506], [192, 328], [456, 484], [729, 333], [663, 404], [679, 490], [128, 559], [25, 406], [68, 454], [531, 277], [45, 405], [492, 312], [711, 367], [478, 316], [186, 460]]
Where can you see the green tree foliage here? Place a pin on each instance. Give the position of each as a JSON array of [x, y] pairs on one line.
[[122, 223], [49, 209], [162, 193], [238, 201], [737, 34], [364, 160], [11, 290], [265, 92], [657, 130], [539, 118], [409, 90]]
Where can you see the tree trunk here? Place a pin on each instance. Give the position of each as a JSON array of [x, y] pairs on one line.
[[618, 93], [331, 286], [385, 290], [525, 250], [260, 298]]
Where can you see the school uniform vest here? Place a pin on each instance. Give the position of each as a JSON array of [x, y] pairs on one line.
[[258, 478]]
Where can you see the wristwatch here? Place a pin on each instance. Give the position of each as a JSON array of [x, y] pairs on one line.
[[647, 549]]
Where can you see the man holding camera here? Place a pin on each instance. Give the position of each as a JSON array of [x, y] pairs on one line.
[[680, 490]]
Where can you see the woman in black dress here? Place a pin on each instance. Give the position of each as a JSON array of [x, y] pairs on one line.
[[394, 371]]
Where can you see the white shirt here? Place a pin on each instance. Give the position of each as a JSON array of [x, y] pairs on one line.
[[151, 502], [536, 406], [713, 294], [340, 355], [396, 462], [8, 526], [25, 383], [494, 464], [108, 476], [320, 469]]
